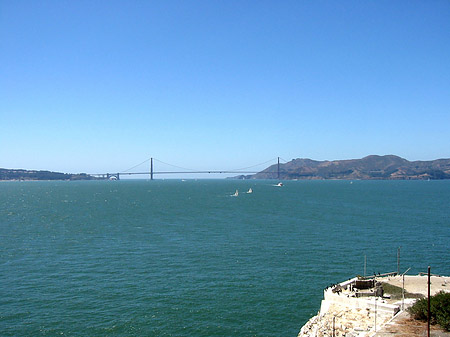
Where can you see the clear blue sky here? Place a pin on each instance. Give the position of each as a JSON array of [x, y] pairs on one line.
[[96, 86]]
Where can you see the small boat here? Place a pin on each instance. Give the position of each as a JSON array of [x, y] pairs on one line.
[[279, 184], [250, 190], [235, 194]]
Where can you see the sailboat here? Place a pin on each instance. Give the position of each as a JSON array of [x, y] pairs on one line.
[[235, 194], [250, 190]]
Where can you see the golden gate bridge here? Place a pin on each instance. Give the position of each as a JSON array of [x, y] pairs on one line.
[[152, 172]]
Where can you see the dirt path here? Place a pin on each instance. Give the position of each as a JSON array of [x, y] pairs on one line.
[[418, 284]]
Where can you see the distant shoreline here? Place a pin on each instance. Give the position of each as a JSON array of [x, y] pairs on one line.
[[233, 178], [373, 167], [34, 175]]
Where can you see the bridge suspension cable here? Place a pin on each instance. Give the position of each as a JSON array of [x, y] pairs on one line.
[[249, 167], [145, 161], [178, 167], [196, 170]]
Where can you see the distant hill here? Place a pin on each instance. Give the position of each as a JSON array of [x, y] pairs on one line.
[[19, 174], [371, 167]]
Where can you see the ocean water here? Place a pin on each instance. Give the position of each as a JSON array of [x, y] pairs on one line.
[[184, 258]]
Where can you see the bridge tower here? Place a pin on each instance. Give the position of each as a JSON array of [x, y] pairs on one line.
[[151, 168], [278, 168]]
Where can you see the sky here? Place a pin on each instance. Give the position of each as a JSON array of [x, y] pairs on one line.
[[100, 86]]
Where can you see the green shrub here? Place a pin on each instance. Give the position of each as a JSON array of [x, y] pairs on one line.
[[439, 310], [419, 310]]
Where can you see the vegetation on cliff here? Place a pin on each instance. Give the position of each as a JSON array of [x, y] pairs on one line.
[[397, 292], [370, 167], [439, 310], [7, 174]]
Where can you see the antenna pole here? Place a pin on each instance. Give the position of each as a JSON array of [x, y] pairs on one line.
[[403, 292], [429, 314], [365, 264], [403, 288], [398, 261]]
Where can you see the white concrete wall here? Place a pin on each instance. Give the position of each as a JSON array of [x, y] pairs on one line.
[[331, 298]]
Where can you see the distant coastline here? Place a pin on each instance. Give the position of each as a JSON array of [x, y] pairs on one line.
[[373, 167], [32, 175]]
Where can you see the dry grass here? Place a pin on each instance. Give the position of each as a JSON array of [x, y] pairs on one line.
[[396, 292], [409, 327]]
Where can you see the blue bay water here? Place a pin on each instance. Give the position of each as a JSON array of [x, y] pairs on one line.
[[173, 258]]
